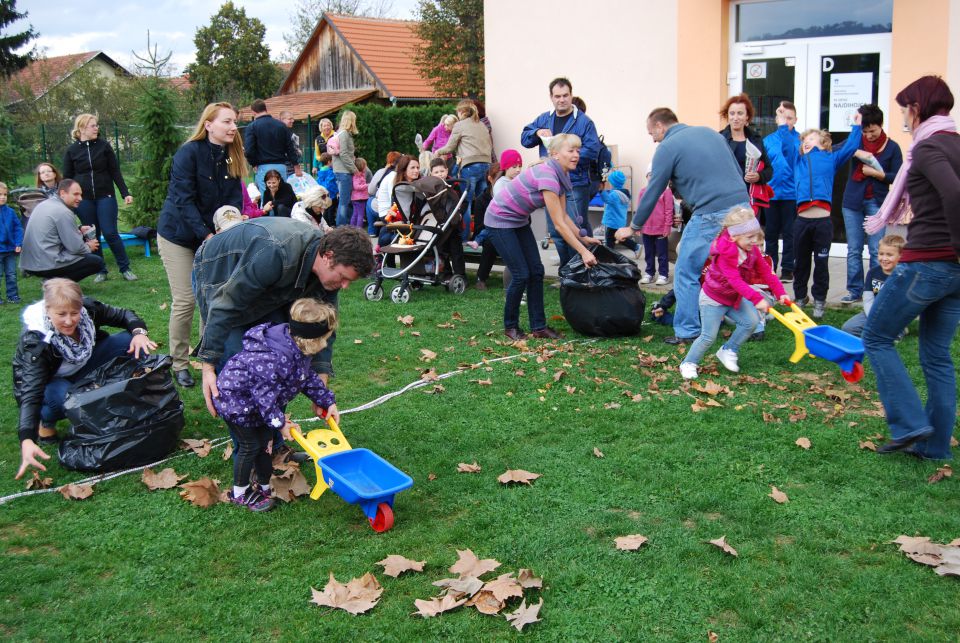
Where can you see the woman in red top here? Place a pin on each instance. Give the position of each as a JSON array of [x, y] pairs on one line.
[[926, 282]]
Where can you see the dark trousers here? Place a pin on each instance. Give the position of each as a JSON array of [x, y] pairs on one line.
[[780, 222], [656, 247], [487, 257], [102, 213], [518, 249], [251, 454], [87, 265], [812, 238]]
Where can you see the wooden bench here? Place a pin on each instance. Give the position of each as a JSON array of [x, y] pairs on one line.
[[130, 240]]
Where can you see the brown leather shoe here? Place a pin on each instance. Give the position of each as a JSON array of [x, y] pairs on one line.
[[515, 334], [546, 333], [480, 285]]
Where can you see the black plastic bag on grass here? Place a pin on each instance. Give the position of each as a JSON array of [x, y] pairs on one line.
[[605, 300], [123, 414]]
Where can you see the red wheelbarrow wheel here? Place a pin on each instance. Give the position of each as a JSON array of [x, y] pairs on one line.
[[855, 375], [384, 518]]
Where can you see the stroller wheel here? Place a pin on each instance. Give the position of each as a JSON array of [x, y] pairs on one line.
[[457, 284], [545, 243], [373, 292], [400, 295]]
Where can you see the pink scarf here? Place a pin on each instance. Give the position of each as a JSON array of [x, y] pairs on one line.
[[897, 203]]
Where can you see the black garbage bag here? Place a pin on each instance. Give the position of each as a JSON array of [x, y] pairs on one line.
[[123, 414], [605, 300]]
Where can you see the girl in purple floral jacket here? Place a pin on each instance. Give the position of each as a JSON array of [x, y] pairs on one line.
[[258, 382]]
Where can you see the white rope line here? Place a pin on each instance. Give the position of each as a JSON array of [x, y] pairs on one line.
[[221, 441]]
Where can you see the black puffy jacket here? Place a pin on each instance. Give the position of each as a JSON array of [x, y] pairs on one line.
[[36, 362], [94, 166]]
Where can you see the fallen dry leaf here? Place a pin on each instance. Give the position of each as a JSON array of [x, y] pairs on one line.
[[954, 442], [358, 341], [406, 320], [631, 542], [436, 390], [486, 603], [76, 491], [868, 444], [463, 467], [356, 597], [528, 581], [702, 405], [457, 316], [517, 475], [469, 565], [429, 375], [721, 542], [945, 471], [917, 545], [710, 388], [163, 306], [486, 382], [446, 325], [36, 482], [290, 484], [438, 605], [559, 375], [611, 406], [427, 355], [503, 587], [228, 452], [778, 496], [200, 447], [431, 476], [597, 452], [202, 493], [166, 479], [394, 565], [948, 569], [770, 418], [524, 615], [803, 443], [468, 585], [712, 637]]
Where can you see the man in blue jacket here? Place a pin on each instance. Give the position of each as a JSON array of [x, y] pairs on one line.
[[268, 145], [707, 176], [782, 211], [566, 119]]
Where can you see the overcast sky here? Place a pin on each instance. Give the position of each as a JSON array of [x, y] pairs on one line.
[[118, 27]]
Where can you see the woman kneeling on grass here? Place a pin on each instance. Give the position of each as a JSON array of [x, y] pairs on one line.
[[508, 221], [257, 384], [62, 341]]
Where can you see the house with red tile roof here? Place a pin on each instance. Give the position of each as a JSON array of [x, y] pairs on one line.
[[39, 77]]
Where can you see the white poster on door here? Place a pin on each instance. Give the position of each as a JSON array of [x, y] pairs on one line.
[[847, 93]]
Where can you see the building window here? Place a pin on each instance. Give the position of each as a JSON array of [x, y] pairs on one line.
[[775, 19]]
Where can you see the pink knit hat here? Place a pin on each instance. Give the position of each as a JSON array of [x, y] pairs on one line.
[[509, 158]]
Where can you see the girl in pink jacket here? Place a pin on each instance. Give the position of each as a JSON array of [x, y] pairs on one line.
[[735, 263], [359, 195]]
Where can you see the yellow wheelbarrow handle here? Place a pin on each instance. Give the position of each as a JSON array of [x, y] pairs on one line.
[[796, 321]]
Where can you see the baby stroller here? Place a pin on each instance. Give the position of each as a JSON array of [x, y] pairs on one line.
[[26, 199], [429, 212]]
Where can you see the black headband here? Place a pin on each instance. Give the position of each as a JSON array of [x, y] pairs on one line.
[[309, 330]]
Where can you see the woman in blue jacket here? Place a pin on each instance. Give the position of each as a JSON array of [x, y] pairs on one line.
[[206, 174], [866, 188]]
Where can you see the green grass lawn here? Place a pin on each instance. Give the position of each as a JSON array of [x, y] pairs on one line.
[[132, 564]]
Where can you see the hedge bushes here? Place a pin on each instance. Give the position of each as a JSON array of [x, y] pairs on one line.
[[383, 129]]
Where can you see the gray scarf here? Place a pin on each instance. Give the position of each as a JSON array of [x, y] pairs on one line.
[[73, 352]]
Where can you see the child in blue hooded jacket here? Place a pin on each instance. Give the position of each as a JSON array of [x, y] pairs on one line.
[[616, 200], [815, 164], [11, 240]]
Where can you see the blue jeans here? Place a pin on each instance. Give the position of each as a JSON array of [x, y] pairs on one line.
[[344, 205], [698, 234], [8, 261], [577, 202], [56, 390], [853, 223], [932, 291], [475, 176], [102, 213], [518, 249], [745, 317], [371, 215], [263, 169]]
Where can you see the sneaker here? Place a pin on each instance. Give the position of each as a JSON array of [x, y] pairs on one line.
[[13, 300], [729, 359], [803, 301], [818, 308], [646, 279], [661, 281], [786, 276], [253, 499], [850, 299], [128, 275], [688, 370], [101, 277]]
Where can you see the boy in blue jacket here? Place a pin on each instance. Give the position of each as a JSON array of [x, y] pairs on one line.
[[815, 164], [782, 211], [11, 240]]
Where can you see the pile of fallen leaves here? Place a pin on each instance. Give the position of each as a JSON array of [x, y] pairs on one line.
[[468, 589], [945, 559]]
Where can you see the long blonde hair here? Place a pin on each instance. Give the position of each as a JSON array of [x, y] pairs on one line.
[[348, 121], [80, 122], [236, 161], [468, 107]]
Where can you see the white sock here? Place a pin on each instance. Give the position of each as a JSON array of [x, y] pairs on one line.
[[265, 489], [239, 491]]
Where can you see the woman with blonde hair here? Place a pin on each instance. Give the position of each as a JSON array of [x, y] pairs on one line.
[[207, 172], [90, 161], [470, 142], [344, 166]]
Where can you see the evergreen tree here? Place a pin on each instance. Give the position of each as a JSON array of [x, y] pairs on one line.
[[9, 42], [233, 63], [452, 54], [11, 154], [159, 140]]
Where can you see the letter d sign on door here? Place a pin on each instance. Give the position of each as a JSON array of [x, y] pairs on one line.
[[827, 64]]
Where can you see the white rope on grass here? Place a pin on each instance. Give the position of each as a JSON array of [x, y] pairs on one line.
[[221, 441]]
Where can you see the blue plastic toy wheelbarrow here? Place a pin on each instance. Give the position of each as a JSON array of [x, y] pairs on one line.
[[825, 342], [359, 476]]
